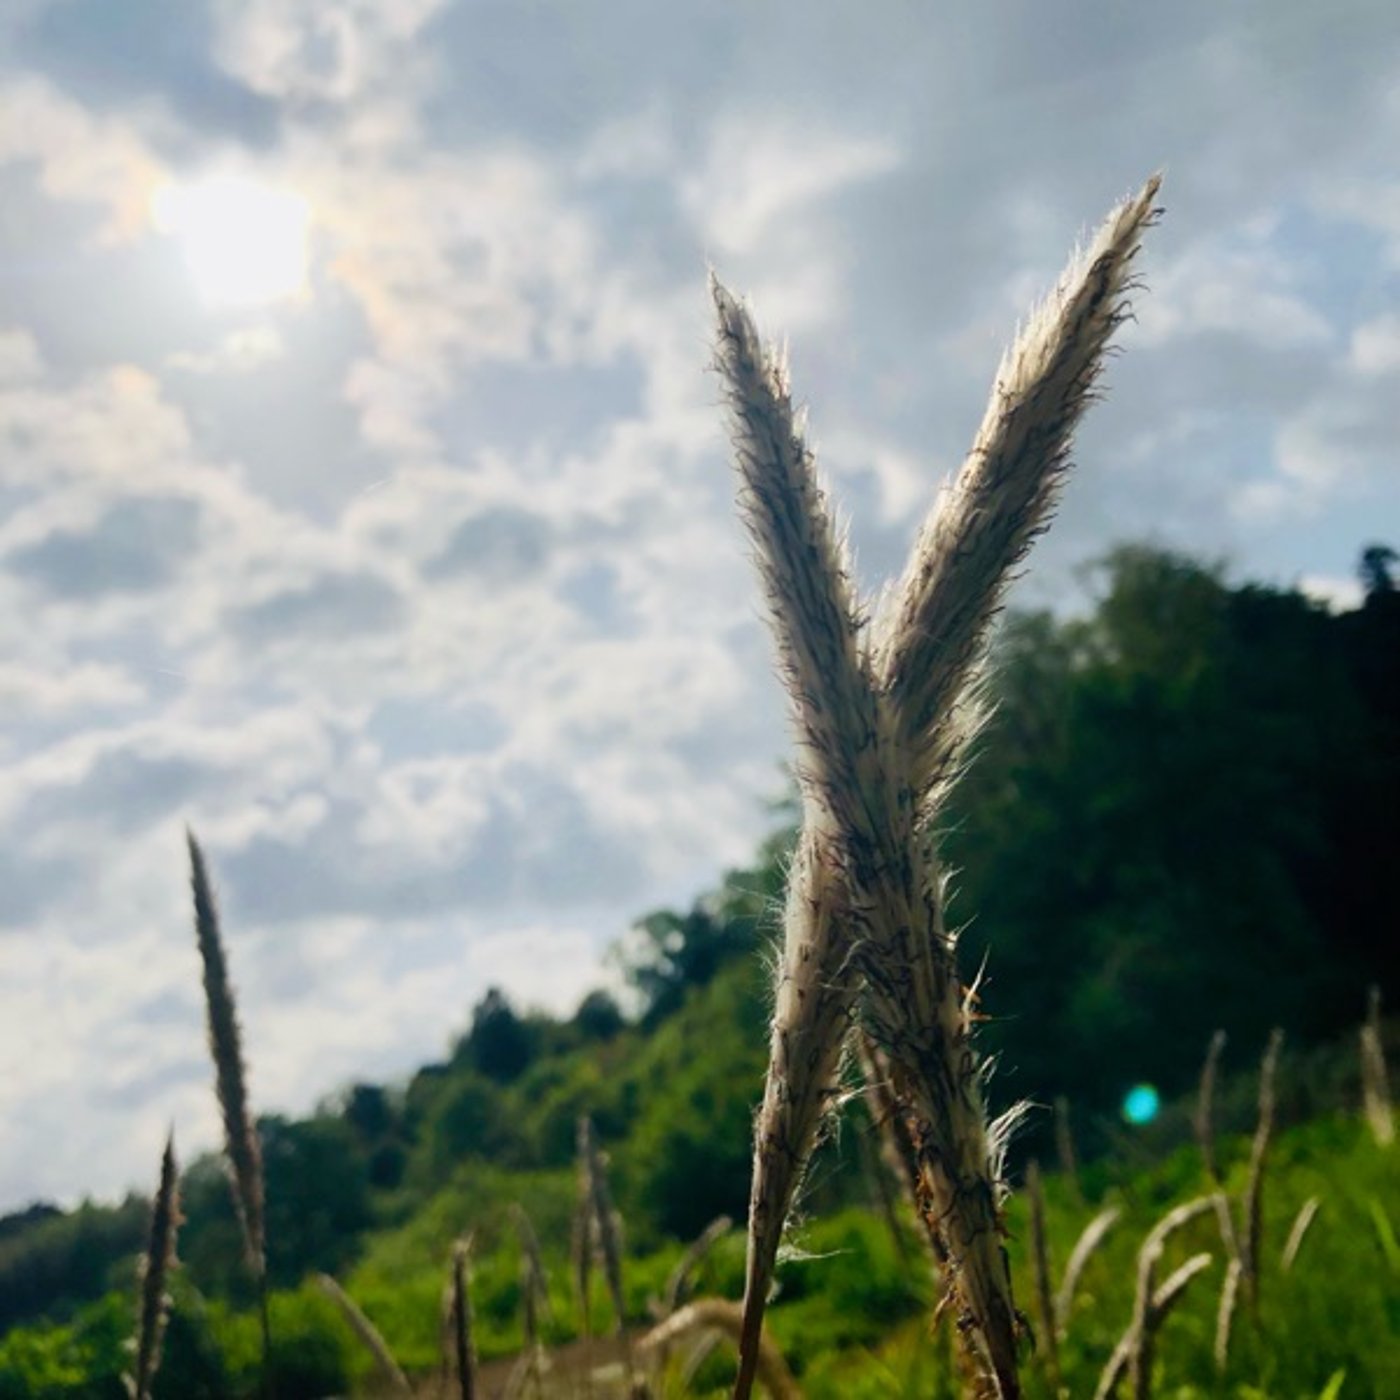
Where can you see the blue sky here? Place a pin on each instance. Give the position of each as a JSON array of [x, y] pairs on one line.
[[410, 576]]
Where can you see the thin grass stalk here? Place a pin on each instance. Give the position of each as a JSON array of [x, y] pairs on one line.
[[156, 1267], [1375, 1082], [605, 1219], [241, 1145], [534, 1282], [1064, 1149], [368, 1335], [1203, 1121], [1149, 1256], [1225, 1313], [1253, 1205], [1164, 1299], [1040, 1258], [1302, 1223], [1090, 1238], [719, 1315], [462, 1321]]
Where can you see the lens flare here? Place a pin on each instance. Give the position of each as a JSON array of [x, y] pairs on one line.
[[1141, 1103]]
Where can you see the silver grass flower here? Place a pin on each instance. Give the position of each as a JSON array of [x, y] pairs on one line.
[[156, 1268], [1002, 497], [877, 735], [230, 1077], [1090, 1238]]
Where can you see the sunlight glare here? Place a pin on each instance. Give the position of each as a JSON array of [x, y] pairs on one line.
[[243, 241]]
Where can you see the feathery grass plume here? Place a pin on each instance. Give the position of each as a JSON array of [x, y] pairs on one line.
[[858, 844], [156, 1268], [802, 563], [369, 1336], [463, 1355], [1164, 1299], [241, 1145], [1203, 1121], [230, 1077], [1375, 1083], [1090, 1238], [1002, 497], [1064, 1149], [1252, 1208], [722, 1316], [1225, 1313], [872, 764], [1302, 1222], [582, 1249], [1040, 1257]]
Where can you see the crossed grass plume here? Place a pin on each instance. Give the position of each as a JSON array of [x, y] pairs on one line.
[[881, 727]]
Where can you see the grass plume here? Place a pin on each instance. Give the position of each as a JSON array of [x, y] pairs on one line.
[[463, 1357], [241, 1144], [1302, 1223], [718, 1315], [156, 1267], [879, 732]]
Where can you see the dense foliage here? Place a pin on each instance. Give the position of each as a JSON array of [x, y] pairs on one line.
[[1182, 815]]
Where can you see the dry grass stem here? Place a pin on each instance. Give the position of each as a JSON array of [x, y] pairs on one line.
[[1204, 1119], [1225, 1312], [534, 1283], [1253, 1206], [463, 1356], [605, 1219], [1302, 1223], [1375, 1082], [368, 1335], [1090, 1238], [156, 1267], [1164, 1299], [1040, 1257], [718, 1315]]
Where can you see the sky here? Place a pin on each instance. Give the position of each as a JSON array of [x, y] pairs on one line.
[[364, 499]]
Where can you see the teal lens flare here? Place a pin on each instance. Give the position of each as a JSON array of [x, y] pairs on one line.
[[1141, 1104]]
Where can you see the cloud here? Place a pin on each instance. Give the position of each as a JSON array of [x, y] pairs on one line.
[[136, 546]]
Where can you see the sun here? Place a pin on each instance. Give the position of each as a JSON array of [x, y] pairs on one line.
[[244, 241]]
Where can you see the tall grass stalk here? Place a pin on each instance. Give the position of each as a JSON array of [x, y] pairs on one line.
[[1064, 1149], [156, 1267], [368, 1335], [1302, 1223], [1252, 1208], [718, 1315], [1090, 1238], [1375, 1082], [880, 731], [462, 1352], [1131, 1350], [241, 1144]]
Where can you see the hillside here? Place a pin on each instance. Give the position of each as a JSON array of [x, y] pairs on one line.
[[1181, 818]]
